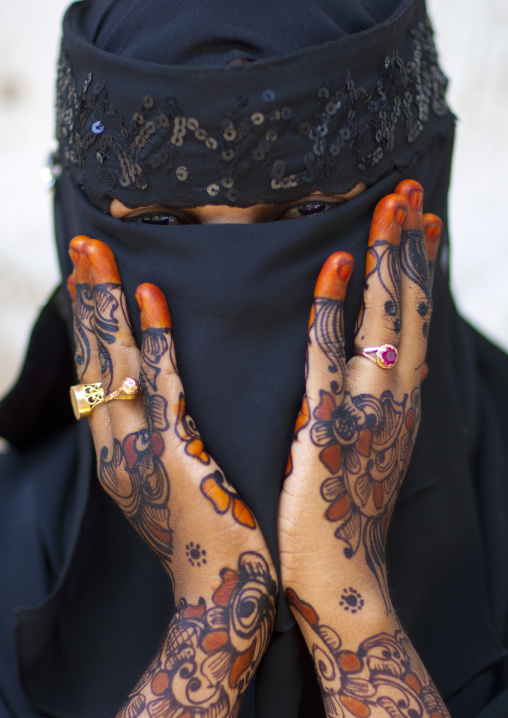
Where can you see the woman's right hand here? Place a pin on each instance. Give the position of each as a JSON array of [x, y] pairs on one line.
[[153, 464]]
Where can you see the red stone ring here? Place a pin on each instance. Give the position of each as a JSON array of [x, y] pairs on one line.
[[384, 356]]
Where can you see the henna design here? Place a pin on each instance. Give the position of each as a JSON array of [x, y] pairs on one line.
[[186, 430], [195, 554], [96, 314], [351, 600], [156, 343], [135, 475], [328, 322], [383, 677], [83, 316], [223, 497], [105, 325], [365, 444], [211, 652], [415, 265], [383, 258]]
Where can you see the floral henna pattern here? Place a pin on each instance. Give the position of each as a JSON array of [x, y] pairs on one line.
[[365, 444], [211, 652], [224, 498], [383, 677]]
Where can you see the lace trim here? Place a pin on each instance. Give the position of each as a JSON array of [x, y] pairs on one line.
[[268, 143]]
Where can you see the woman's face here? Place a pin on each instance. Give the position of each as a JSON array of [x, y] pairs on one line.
[[224, 214]]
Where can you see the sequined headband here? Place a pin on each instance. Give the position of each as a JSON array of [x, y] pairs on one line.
[[272, 131]]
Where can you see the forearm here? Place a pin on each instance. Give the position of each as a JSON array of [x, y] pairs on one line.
[[364, 661], [212, 648]]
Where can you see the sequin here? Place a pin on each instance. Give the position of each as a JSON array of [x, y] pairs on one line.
[[141, 149], [213, 189], [229, 134]]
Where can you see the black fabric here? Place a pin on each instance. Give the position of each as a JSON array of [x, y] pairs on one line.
[[240, 298], [51, 330], [323, 118]]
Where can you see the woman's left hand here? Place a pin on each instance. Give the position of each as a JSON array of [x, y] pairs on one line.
[[353, 442]]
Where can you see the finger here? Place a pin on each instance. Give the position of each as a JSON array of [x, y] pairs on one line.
[[380, 321], [117, 356], [173, 432], [325, 355], [416, 287], [325, 363], [84, 337], [433, 229]]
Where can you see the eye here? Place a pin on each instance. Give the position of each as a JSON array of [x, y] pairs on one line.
[[308, 208], [156, 216]]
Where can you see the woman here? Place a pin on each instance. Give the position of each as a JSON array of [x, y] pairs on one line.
[[333, 118]]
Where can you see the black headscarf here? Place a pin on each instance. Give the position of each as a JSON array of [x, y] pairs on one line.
[[334, 93]]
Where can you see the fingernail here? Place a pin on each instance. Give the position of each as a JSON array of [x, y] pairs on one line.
[[400, 214], [433, 232], [416, 199], [139, 301], [74, 255], [344, 271]]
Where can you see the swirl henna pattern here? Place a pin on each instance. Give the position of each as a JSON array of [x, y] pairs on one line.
[[211, 652], [95, 314], [382, 677]]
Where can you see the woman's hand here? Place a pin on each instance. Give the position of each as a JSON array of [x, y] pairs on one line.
[[152, 462], [353, 442]]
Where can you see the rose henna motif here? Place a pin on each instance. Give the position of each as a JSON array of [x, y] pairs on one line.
[[211, 652]]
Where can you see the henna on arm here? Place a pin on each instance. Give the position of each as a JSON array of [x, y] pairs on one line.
[[381, 675], [211, 650]]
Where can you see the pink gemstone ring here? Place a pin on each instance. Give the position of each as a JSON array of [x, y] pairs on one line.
[[384, 356]]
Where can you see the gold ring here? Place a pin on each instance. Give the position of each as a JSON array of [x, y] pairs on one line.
[[384, 356], [85, 397]]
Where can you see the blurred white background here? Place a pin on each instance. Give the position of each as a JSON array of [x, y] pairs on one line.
[[474, 53]]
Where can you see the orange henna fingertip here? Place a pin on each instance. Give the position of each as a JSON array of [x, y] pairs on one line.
[[433, 229], [70, 287], [334, 276], [102, 262], [153, 307], [82, 270], [391, 208]]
